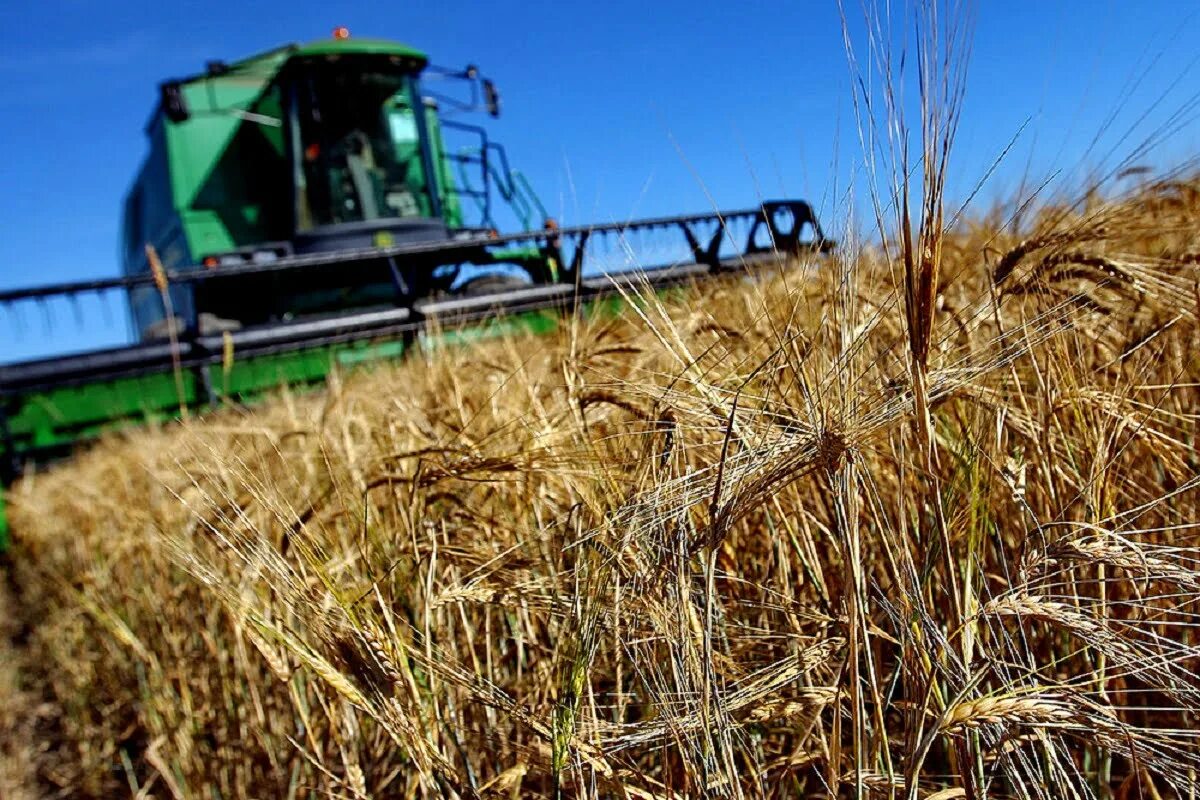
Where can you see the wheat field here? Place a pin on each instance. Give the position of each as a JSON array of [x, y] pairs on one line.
[[730, 543], [915, 519]]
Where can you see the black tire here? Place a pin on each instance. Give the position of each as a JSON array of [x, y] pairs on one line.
[[491, 284]]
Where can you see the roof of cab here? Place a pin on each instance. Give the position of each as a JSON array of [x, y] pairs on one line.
[[352, 46], [272, 60]]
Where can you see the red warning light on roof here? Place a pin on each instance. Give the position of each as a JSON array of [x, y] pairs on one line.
[[341, 32]]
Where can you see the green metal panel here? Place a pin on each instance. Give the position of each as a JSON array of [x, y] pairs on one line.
[[535, 322], [249, 378], [206, 234], [62, 416], [198, 143], [229, 171], [241, 379]]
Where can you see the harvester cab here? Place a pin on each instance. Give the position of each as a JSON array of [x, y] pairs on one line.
[[330, 147]]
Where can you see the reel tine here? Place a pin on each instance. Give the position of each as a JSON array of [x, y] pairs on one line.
[[105, 311], [604, 250], [47, 315], [18, 320]]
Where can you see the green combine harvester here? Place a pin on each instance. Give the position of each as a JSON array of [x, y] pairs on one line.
[[302, 210]]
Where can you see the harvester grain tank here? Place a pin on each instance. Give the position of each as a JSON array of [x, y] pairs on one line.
[[303, 209]]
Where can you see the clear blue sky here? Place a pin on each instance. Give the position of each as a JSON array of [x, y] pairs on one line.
[[600, 101]]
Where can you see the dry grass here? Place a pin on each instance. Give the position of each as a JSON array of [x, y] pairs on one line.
[[692, 551]]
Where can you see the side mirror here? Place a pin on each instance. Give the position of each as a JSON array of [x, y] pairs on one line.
[[491, 97], [173, 103]]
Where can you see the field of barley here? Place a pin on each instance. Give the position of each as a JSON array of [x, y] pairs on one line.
[[761, 538]]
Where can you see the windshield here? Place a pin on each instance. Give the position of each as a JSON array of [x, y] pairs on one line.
[[357, 144]]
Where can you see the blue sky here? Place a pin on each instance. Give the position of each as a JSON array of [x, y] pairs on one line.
[[613, 110]]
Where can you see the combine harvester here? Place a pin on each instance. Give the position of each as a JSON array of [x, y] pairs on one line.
[[301, 210]]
